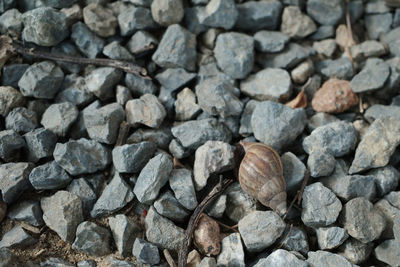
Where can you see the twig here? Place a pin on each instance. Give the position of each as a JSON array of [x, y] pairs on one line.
[[232, 228], [124, 128], [169, 258], [286, 237], [291, 205], [215, 192]]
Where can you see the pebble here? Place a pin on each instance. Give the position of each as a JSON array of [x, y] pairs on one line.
[[294, 172], [14, 180], [294, 239], [270, 41], [232, 253], [320, 163], [192, 134], [58, 118], [264, 15], [260, 229], [11, 144], [362, 220], [277, 125], [10, 98], [323, 32], [102, 124], [17, 238], [394, 199], [49, 176], [82, 156], [168, 206], [377, 145], [139, 86], [167, 12], [348, 187], [288, 58], [145, 252], [87, 41], [27, 211], [161, 137], [135, 18], [116, 51], [186, 107], [109, 202], [281, 257], [378, 24], [77, 93], [11, 23], [372, 77], [338, 68], [245, 119], [295, 24], [122, 95], [174, 78], [146, 110], [386, 179], [331, 237], [62, 213], [92, 239], [85, 191], [44, 26], [163, 232], [388, 252], [131, 158], [320, 206], [392, 40], [326, 12], [268, 84], [123, 229], [218, 98], [302, 72], [100, 20], [212, 158], [173, 54], [379, 111], [78, 129], [218, 14], [217, 208], [328, 259], [320, 119], [41, 80], [356, 251], [181, 183], [238, 203], [366, 49], [152, 177], [234, 53], [21, 120], [325, 47], [101, 82], [73, 14]]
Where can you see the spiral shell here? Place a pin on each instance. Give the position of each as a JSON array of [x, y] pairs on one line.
[[261, 176]]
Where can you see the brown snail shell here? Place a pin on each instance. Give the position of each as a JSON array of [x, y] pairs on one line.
[[261, 176]]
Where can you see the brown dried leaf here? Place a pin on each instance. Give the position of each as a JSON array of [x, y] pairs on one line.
[[300, 101], [3, 210], [206, 236], [335, 96], [6, 49]]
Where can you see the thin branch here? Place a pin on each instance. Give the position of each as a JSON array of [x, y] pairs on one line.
[[169, 258], [232, 228]]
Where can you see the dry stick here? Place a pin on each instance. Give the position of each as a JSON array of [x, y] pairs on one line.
[[232, 228], [215, 192], [169, 258]]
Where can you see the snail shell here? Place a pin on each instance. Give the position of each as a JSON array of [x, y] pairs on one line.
[[261, 176]]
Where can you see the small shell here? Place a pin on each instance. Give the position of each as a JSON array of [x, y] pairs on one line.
[[261, 176], [207, 236]]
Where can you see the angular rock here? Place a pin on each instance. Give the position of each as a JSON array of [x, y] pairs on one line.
[[386, 179], [87, 42], [356, 251], [74, 90], [116, 51], [325, 47], [28, 211], [17, 238], [135, 18], [147, 110], [10, 98], [258, 15], [174, 78], [331, 237], [49, 176], [320, 119], [390, 213], [369, 48], [145, 252], [388, 252], [245, 119], [123, 229], [92, 239], [139, 86], [294, 172], [296, 24], [11, 144], [85, 191], [238, 203], [339, 68], [372, 77], [131, 158], [232, 253], [378, 111], [186, 107], [288, 58], [270, 41], [21, 120], [219, 14], [101, 81], [139, 41], [217, 208], [181, 183], [328, 259], [207, 262], [392, 40], [122, 95], [323, 32], [11, 23], [320, 163], [14, 180], [378, 24], [100, 20], [51, 262], [281, 257], [58, 118], [168, 206], [294, 240], [161, 137], [325, 12], [167, 12], [86, 263]]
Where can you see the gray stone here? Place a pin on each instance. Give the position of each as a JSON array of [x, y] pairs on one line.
[[331, 237], [212, 158], [396, 18], [260, 229], [135, 18], [82, 156], [10, 98], [192, 20], [177, 49], [177, 150], [192, 134], [376, 6], [294, 239], [211, 69], [139, 41], [392, 40], [109, 202], [338, 138], [73, 14], [122, 95], [167, 12], [186, 107], [389, 252], [49, 176], [75, 93], [281, 257], [101, 81], [100, 20], [238, 203], [390, 213], [369, 48], [362, 220], [234, 53], [232, 253], [152, 177], [114, 262], [270, 41], [268, 84], [326, 12], [259, 15], [11, 144], [327, 259], [145, 252], [320, 162], [92, 239], [396, 228], [62, 212], [245, 119], [174, 78], [21, 120], [294, 172], [84, 190], [339, 68], [44, 26], [56, 262], [379, 111], [139, 85], [116, 51], [168, 206], [288, 58], [162, 232], [123, 229], [207, 262], [87, 263], [87, 42], [146, 110], [28, 211], [8, 258], [372, 77], [302, 72], [217, 207], [181, 183], [378, 24], [131, 158], [296, 24], [56, 3], [377, 145], [277, 125], [394, 199], [40, 143], [325, 47], [219, 14], [320, 119], [14, 180], [11, 23], [58, 118], [323, 32], [356, 251], [161, 137], [6, 4], [17, 238], [320, 206], [386, 179], [41, 80], [78, 129]]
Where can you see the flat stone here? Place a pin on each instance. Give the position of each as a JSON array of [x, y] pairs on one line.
[[82, 156], [49, 176], [140, 86], [28, 211], [146, 110], [281, 257], [145, 252], [139, 41], [11, 22], [100, 20], [338, 68], [87, 41], [232, 253], [62, 212], [135, 18], [123, 229], [10, 98], [14, 180], [296, 24], [270, 41], [392, 40], [58, 118], [131, 158], [238, 203], [219, 14], [372, 77], [288, 58], [378, 24], [356, 251], [17, 238], [255, 16], [167, 12], [101, 81], [11, 144], [386, 179], [115, 50], [320, 163], [186, 107], [388, 252], [331, 237], [320, 206], [181, 183], [85, 191], [294, 239], [234, 53], [362, 220], [268, 84], [325, 12], [277, 125], [328, 259], [92, 239]]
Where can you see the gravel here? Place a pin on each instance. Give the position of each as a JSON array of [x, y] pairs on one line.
[[232, 252], [49, 176], [259, 15], [92, 239]]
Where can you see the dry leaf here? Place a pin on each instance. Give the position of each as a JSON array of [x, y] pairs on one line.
[[206, 236], [300, 101]]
